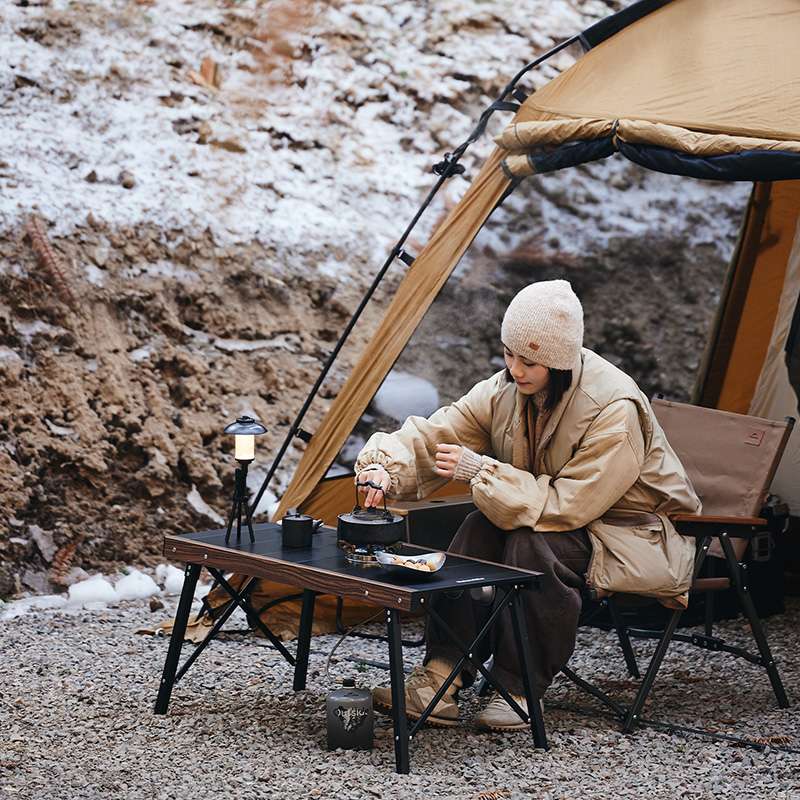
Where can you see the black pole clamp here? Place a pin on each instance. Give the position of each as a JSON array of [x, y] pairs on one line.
[[405, 257], [304, 435], [447, 167]]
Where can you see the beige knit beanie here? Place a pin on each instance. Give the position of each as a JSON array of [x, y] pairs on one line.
[[544, 323]]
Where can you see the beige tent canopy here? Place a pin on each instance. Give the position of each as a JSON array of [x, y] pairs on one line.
[[696, 87], [703, 88]]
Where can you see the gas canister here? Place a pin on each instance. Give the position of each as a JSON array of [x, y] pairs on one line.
[[350, 717]]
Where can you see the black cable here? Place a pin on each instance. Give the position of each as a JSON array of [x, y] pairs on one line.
[[682, 730]]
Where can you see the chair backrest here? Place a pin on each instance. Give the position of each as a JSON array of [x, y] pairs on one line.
[[730, 458]]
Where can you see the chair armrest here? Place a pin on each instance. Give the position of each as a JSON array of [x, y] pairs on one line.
[[753, 521], [707, 525]]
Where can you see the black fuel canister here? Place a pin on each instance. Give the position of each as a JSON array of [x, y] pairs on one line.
[[350, 717]]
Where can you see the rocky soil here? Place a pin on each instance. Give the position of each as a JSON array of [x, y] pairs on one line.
[[212, 235]]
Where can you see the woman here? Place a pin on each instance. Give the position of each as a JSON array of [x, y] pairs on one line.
[[572, 477]]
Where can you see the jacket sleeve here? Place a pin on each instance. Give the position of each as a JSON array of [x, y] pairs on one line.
[[409, 455], [606, 463]]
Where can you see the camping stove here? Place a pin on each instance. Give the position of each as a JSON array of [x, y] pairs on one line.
[[363, 555]]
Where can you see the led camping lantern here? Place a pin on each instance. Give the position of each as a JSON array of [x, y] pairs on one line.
[[245, 430]]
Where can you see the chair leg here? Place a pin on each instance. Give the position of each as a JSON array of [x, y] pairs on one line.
[[661, 649], [709, 600], [739, 577], [624, 639], [650, 676]]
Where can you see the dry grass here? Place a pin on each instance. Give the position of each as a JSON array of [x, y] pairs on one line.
[[50, 261]]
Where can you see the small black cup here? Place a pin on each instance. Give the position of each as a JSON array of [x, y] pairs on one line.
[[297, 530]]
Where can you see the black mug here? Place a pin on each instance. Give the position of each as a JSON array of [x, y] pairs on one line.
[[297, 530]]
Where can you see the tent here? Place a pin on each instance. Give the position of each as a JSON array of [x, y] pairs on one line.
[[701, 88]]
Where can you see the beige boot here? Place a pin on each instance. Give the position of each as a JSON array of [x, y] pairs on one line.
[[421, 685], [499, 716]]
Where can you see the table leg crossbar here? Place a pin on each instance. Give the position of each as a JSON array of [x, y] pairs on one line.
[[239, 599], [252, 615]]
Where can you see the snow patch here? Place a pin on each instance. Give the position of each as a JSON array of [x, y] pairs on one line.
[[170, 578], [42, 602], [140, 353], [27, 330], [58, 430], [9, 355], [95, 275], [201, 507], [136, 585], [92, 593]]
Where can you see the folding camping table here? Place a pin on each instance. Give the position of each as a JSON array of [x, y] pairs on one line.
[[324, 569]]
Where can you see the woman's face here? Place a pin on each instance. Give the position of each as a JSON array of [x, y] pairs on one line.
[[529, 377]]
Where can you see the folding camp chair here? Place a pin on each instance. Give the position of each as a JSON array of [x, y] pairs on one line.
[[731, 460]]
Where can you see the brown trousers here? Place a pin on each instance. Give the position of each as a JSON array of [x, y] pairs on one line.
[[551, 613]]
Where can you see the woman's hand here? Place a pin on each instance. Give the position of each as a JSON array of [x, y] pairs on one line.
[[447, 456], [376, 474]]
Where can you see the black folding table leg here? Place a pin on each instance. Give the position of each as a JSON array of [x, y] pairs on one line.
[[624, 639], [191, 574], [398, 692], [304, 640], [738, 576], [520, 625]]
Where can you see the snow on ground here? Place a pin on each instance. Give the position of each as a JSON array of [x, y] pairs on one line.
[[99, 591]]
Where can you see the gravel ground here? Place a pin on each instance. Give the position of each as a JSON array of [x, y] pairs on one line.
[[77, 692]]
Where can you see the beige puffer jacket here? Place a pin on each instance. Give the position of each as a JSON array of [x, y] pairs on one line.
[[602, 460]]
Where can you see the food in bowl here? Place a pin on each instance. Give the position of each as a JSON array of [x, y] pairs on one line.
[[425, 562]]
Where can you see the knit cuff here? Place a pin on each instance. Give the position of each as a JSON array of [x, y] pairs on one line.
[[468, 466]]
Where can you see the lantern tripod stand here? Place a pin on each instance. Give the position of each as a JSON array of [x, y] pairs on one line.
[[240, 504]]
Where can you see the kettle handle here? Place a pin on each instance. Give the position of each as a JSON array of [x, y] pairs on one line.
[[374, 486]]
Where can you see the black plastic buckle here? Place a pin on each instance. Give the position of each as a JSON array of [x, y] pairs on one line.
[[447, 167], [304, 435], [519, 95], [405, 257]]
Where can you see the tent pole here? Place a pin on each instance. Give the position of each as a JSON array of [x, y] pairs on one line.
[[445, 169]]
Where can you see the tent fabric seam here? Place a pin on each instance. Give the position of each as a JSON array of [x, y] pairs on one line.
[[632, 131], [692, 126]]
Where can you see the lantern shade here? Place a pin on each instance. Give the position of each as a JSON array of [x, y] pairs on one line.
[[245, 426]]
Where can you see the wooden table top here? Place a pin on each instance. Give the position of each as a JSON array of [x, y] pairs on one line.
[[324, 568]]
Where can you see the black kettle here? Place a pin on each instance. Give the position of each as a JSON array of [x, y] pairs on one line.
[[371, 526]]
